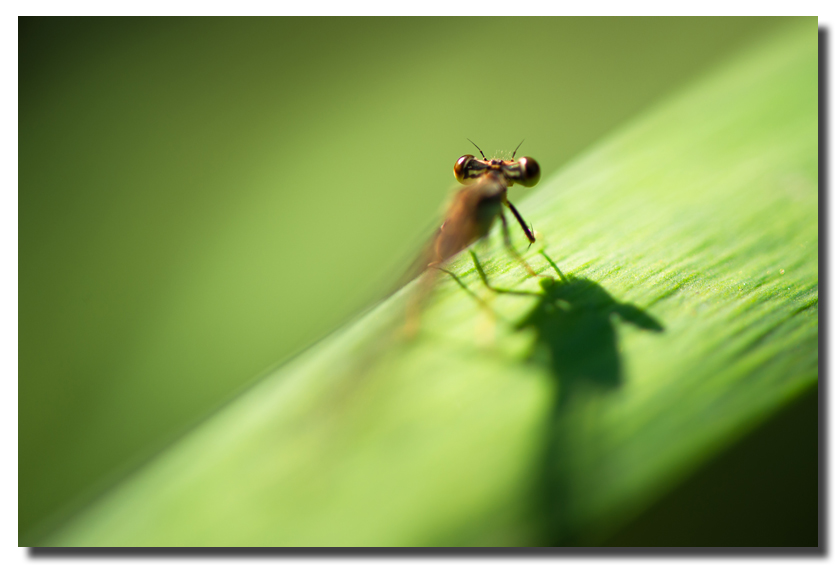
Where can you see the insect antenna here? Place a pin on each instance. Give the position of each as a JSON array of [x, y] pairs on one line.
[[480, 150], [515, 150]]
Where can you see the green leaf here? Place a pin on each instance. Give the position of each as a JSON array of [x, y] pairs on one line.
[[687, 316]]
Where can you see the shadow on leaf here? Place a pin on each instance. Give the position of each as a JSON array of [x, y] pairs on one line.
[[575, 322], [576, 325], [576, 335]]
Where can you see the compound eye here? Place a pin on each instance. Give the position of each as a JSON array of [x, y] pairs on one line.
[[529, 172], [461, 168]]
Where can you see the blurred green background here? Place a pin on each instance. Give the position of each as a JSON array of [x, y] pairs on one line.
[[199, 199]]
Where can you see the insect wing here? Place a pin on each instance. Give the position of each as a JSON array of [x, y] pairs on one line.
[[469, 217]]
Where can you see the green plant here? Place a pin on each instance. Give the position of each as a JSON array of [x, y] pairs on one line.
[[688, 316]]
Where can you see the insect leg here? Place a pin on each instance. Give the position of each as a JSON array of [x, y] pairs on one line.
[[553, 265], [481, 271], [528, 231], [507, 237], [479, 300]]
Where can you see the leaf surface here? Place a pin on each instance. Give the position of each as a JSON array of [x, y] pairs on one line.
[[688, 314]]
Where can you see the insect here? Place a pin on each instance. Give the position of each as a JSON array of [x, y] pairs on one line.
[[470, 216], [475, 207]]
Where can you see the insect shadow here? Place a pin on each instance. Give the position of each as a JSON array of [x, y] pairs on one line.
[[575, 321], [575, 331], [576, 337]]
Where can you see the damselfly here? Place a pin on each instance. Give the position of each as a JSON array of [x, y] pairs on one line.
[[475, 207], [469, 218]]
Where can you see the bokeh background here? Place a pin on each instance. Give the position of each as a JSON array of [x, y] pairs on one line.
[[199, 199]]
